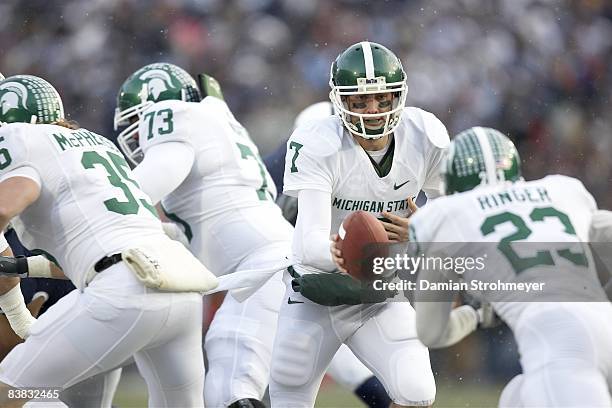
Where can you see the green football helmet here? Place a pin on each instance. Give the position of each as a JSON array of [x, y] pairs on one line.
[[368, 68], [480, 156], [152, 83], [29, 99]]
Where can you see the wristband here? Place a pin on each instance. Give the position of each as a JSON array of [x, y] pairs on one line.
[[39, 267]]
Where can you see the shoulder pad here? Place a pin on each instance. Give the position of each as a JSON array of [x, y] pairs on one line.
[[571, 182], [429, 124], [214, 110], [320, 138], [213, 103], [175, 105], [18, 128], [562, 179]]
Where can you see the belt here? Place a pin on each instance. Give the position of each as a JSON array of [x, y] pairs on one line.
[[107, 262]]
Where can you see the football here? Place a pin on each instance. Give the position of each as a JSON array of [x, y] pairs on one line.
[[362, 238]]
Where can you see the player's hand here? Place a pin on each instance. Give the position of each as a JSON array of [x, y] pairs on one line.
[[173, 231], [397, 229], [337, 253], [38, 300], [13, 266], [412, 206], [487, 318]]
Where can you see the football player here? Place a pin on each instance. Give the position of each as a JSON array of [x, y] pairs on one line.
[[41, 294], [373, 156], [534, 232], [201, 163], [69, 192], [11, 299], [344, 368]]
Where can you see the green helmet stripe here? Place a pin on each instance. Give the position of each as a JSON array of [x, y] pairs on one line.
[[480, 156], [468, 157], [368, 59], [487, 153], [368, 68]]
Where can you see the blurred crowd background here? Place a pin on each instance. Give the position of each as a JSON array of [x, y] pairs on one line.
[[539, 70]]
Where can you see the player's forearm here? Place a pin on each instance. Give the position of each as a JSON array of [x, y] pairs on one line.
[[9, 282], [313, 229], [14, 308], [463, 321], [33, 266], [41, 267], [316, 250]]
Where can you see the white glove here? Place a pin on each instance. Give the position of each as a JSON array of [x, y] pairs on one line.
[[173, 231]]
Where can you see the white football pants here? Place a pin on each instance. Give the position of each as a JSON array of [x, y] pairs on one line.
[[115, 317], [240, 338], [566, 355], [383, 336]]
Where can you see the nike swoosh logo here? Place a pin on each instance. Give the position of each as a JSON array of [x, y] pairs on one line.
[[292, 302], [396, 187]]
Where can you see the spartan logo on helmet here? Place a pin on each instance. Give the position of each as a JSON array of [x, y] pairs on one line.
[[150, 84], [368, 68], [155, 82], [29, 99], [12, 95]]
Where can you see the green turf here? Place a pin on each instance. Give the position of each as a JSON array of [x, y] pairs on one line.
[[132, 394]]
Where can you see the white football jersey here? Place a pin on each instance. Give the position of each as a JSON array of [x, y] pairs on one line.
[[89, 204], [554, 213], [322, 155], [228, 178]]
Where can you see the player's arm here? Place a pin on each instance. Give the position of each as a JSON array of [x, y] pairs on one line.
[[439, 142], [36, 266], [433, 184], [313, 229], [18, 189], [16, 194], [309, 165], [9, 282], [164, 167], [438, 324], [8, 338], [398, 227]]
